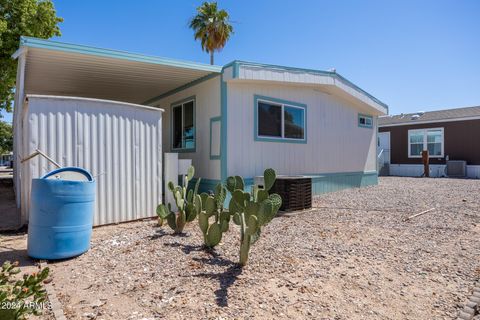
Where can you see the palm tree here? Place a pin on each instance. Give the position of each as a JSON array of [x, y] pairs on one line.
[[212, 27]]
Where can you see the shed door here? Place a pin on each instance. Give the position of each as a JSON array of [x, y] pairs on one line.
[[384, 144]]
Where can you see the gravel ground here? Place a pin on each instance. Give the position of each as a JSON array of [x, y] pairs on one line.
[[351, 258]]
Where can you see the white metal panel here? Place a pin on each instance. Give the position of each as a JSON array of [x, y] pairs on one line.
[[436, 170], [207, 105], [118, 143], [473, 172], [416, 170], [170, 174], [335, 142]]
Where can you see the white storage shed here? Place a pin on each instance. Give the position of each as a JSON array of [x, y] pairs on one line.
[[119, 143]]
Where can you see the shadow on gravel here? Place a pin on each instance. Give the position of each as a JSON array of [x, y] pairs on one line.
[[226, 278], [158, 234], [186, 248], [12, 255]]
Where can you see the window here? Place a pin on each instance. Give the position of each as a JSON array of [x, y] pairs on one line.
[[365, 121], [278, 120], [183, 125], [425, 139]]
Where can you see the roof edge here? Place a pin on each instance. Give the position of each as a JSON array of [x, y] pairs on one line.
[[399, 124], [109, 53], [237, 63]]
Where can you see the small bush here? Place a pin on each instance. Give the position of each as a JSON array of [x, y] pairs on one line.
[[19, 298]]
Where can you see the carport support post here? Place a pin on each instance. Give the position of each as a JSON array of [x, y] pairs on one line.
[[426, 166], [17, 138]]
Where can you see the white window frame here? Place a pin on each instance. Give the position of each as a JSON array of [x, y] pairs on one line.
[[425, 141], [367, 119], [181, 105], [282, 106]]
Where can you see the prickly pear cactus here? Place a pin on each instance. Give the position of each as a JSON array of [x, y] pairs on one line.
[[188, 202], [212, 206], [252, 211]]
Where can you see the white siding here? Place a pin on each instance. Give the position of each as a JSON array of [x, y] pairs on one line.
[[305, 77], [207, 105], [335, 142], [118, 142]]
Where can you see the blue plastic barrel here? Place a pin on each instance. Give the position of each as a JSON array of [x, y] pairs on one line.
[[61, 214]]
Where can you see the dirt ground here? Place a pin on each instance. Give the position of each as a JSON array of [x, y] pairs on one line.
[[353, 257]]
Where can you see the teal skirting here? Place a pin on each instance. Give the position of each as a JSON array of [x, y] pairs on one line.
[[206, 185], [321, 183], [338, 181]]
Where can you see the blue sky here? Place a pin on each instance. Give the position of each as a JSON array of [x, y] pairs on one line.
[[413, 55]]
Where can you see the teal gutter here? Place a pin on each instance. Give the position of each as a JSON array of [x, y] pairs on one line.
[[237, 63], [74, 48]]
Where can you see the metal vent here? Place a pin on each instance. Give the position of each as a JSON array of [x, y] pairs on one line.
[[296, 192], [456, 168]]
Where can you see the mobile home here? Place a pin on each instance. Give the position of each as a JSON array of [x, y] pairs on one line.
[[448, 135], [236, 119]]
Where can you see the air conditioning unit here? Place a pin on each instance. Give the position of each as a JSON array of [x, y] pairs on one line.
[[296, 191], [456, 168]]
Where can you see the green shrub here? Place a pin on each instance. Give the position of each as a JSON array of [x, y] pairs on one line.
[[19, 298]]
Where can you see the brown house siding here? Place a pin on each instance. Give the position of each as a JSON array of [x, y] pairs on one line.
[[461, 138]]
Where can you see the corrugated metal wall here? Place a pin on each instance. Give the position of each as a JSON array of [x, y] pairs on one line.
[[121, 143]]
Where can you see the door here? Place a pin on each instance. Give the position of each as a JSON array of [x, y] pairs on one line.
[[384, 144]]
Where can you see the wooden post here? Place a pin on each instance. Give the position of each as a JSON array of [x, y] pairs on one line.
[[426, 166]]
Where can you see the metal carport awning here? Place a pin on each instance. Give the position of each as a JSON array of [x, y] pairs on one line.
[[56, 68]]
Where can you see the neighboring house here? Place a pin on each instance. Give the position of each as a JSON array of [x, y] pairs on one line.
[[451, 136], [236, 119]]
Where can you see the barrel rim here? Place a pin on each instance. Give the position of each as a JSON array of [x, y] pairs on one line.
[[76, 169]]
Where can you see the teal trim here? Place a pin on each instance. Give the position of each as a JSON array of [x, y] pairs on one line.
[[236, 70], [366, 116], [206, 185], [224, 126], [176, 104], [74, 48], [279, 101], [321, 183], [181, 88], [214, 156], [331, 182], [237, 63]]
